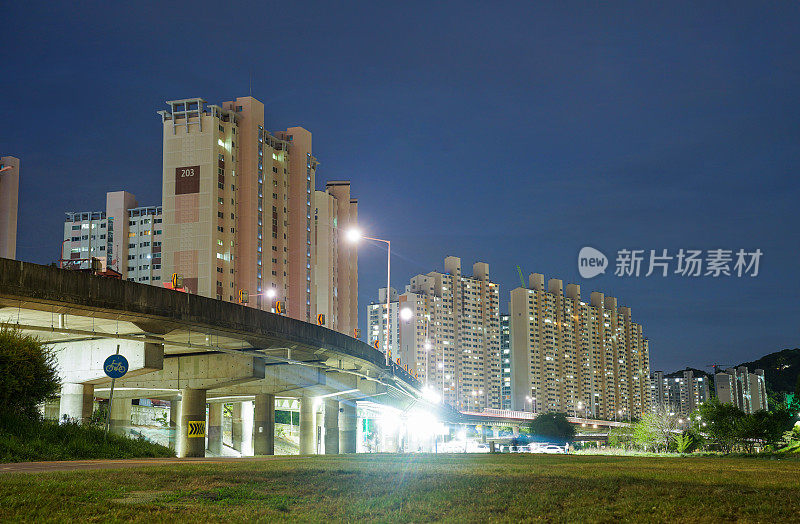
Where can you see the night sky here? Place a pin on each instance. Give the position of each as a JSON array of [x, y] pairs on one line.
[[490, 131]]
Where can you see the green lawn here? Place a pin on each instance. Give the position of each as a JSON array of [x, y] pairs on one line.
[[456, 488]]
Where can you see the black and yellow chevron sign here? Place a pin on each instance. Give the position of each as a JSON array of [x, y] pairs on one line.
[[197, 429]]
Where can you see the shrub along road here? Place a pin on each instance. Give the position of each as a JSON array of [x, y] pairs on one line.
[[463, 488]]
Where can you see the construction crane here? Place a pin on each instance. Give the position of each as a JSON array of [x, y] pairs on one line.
[[716, 367], [521, 278]]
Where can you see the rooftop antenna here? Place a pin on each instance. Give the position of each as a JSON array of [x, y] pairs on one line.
[[251, 82]]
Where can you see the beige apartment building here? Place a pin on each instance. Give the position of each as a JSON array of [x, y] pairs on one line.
[[335, 271], [9, 202], [238, 203], [571, 356], [452, 341]]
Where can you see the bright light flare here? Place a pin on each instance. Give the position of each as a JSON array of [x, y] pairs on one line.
[[406, 314], [431, 395], [353, 235]]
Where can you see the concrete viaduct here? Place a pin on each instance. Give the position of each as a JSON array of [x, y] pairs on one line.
[[196, 351]]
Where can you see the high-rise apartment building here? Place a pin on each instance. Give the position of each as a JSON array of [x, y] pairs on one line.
[[576, 357], [747, 391], [141, 258], [124, 237], [238, 208], [9, 202], [85, 237], [303, 169], [377, 320], [678, 395], [335, 271], [452, 341], [505, 362]]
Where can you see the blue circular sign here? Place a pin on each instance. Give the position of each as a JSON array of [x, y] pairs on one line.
[[116, 366]]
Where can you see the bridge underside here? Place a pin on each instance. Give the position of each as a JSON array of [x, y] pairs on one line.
[[192, 350]]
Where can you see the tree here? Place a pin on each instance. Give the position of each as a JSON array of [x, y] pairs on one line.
[[723, 423], [27, 372], [655, 430], [553, 426], [621, 437]]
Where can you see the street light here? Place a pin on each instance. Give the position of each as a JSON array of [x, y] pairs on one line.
[[270, 294], [406, 314], [354, 235], [530, 401]]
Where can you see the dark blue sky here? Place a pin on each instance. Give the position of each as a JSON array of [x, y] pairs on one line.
[[496, 132]]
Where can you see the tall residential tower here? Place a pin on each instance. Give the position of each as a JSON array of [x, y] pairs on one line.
[[452, 340], [240, 216], [576, 357]]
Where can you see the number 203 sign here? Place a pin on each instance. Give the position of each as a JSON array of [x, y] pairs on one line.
[[187, 180]]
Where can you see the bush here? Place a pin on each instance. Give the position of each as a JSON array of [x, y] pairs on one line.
[[27, 373], [23, 439], [552, 426]]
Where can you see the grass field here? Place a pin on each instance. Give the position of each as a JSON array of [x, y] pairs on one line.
[[416, 488]]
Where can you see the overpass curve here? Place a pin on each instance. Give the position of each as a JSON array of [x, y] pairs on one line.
[[178, 341]]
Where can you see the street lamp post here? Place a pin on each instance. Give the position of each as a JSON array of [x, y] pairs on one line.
[[354, 235]]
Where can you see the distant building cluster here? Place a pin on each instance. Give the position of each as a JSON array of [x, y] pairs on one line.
[[678, 395], [747, 391], [553, 351]]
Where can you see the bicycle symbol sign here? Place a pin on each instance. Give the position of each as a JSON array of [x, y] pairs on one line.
[[116, 366]]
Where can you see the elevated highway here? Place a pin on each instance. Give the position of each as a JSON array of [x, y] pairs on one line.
[[196, 351]]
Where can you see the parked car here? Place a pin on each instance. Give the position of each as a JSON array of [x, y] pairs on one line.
[[553, 449]]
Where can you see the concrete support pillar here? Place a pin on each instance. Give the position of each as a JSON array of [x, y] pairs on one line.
[[236, 426], [331, 427], [348, 426], [392, 443], [215, 428], [174, 421], [247, 428], [264, 425], [120, 415], [76, 403], [191, 430], [515, 430], [308, 426]]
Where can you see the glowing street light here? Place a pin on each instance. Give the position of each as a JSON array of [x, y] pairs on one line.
[[406, 314], [355, 235]]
